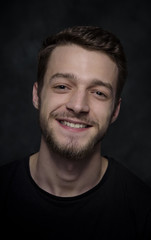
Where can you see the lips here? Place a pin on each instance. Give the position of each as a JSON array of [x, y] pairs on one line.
[[73, 124]]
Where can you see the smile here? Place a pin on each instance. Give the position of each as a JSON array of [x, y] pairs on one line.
[[73, 125]]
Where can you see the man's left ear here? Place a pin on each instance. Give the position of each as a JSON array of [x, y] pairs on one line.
[[35, 96], [116, 111]]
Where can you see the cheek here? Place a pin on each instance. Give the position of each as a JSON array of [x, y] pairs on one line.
[[44, 108], [52, 103], [102, 114]]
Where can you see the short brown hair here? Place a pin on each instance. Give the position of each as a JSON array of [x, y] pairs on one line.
[[91, 38]]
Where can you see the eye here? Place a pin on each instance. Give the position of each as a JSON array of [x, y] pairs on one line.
[[100, 93], [62, 87]]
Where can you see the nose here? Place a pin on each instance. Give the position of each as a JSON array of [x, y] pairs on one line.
[[78, 102]]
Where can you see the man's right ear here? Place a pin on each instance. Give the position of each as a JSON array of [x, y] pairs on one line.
[[35, 96]]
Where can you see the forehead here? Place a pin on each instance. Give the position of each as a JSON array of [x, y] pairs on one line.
[[85, 64]]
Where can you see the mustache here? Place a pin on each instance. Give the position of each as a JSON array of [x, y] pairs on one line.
[[85, 119]]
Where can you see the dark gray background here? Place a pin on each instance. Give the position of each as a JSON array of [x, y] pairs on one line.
[[24, 24]]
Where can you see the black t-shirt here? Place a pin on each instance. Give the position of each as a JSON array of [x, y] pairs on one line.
[[119, 207]]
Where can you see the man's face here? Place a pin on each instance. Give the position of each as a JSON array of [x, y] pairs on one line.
[[77, 101]]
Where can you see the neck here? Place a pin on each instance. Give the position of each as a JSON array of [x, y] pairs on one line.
[[65, 178]]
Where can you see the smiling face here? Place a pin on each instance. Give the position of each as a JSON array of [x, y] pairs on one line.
[[77, 101]]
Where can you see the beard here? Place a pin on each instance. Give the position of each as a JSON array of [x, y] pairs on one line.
[[71, 150]]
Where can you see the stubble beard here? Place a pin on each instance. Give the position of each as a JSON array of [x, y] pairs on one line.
[[71, 150]]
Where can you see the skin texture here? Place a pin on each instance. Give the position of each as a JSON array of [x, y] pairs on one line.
[[76, 107]]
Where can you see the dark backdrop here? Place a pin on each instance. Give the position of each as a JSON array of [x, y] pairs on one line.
[[24, 24]]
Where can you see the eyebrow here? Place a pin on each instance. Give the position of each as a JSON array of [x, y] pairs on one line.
[[71, 76]]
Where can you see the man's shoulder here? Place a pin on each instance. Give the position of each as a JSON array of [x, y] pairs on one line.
[[8, 167], [129, 181], [125, 173], [7, 170]]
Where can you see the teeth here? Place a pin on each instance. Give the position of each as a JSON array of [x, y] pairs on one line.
[[73, 125]]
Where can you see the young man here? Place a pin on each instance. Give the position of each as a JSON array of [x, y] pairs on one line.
[[68, 189]]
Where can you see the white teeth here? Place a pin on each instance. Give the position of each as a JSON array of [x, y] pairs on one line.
[[73, 125]]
